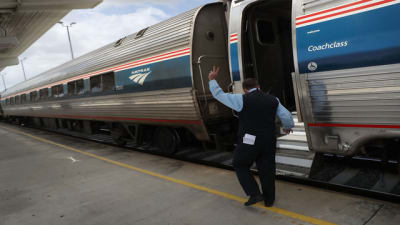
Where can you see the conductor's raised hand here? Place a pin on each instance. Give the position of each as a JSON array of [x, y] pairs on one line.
[[213, 73]]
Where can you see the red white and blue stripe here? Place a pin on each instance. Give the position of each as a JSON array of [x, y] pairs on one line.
[[130, 65], [233, 38], [234, 55], [342, 11]]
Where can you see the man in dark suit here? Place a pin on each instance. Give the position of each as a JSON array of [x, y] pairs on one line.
[[256, 136]]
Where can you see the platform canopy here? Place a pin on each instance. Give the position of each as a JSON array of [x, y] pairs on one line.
[[22, 22]]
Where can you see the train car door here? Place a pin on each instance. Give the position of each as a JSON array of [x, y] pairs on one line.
[[209, 49]]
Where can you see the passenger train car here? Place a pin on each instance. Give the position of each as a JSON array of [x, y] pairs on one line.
[[334, 62], [343, 57], [154, 81]]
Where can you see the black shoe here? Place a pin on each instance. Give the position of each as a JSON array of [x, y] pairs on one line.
[[254, 199], [268, 204]]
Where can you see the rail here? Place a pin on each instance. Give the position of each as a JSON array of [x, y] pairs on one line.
[[199, 63]]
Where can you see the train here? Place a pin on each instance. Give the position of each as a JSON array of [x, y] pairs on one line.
[[335, 63]]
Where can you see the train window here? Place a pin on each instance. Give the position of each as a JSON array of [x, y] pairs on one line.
[[12, 101], [107, 81], [141, 33], [54, 91], [33, 96], [60, 90], [76, 87], [57, 91], [80, 87], [23, 99], [71, 88], [44, 93], [7, 101], [265, 32], [104, 82], [17, 98], [95, 83]]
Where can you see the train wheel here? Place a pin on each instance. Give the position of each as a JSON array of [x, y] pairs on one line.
[[117, 135], [166, 139]]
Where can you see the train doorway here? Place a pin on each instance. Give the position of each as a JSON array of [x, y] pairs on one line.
[[267, 48]]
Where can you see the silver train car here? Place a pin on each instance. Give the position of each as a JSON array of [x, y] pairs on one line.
[[157, 76], [336, 63], [344, 60]]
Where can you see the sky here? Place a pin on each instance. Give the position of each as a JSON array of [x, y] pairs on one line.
[[94, 28]]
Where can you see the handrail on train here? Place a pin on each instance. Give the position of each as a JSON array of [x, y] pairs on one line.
[[199, 61]]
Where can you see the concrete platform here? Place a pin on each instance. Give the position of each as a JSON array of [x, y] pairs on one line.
[[52, 179]]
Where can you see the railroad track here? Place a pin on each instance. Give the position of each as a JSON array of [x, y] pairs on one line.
[[358, 176]]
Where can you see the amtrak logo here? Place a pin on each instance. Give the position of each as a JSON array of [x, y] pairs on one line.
[[139, 76], [312, 66]]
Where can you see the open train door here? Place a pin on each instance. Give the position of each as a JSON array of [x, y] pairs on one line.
[[209, 49]]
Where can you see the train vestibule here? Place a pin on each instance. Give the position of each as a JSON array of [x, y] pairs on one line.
[[267, 51]]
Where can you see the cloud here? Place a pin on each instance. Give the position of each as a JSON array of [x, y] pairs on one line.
[[141, 1], [118, 6], [125, 2], [100, 30]]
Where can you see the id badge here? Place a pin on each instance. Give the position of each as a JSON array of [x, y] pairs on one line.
[[249, 139]]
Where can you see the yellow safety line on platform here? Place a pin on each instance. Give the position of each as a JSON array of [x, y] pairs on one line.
[[185, 183]]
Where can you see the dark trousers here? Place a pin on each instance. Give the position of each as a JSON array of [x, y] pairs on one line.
[[263, 154]]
